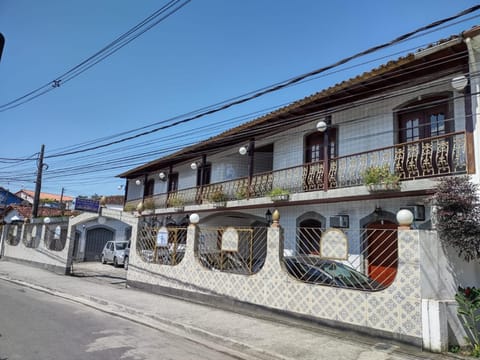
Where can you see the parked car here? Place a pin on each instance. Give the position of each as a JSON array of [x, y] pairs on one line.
[[328, 272], [116, 252]]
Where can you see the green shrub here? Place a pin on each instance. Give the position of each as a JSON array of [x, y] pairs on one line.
[[468, 300], [218, 196], [380, 175], [278, 192], [458, 215]]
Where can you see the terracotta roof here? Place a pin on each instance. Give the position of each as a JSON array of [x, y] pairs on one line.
[[406, 67], [26, 211], [114, 200], [45, 196]]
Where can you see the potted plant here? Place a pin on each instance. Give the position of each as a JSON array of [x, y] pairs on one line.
[[379, 178], [279, 194], [149, 204], [176, 203], [241, 193], [129, 208], [219, 198]]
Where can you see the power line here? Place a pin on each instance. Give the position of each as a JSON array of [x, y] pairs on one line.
[[152, 20], [276, 87]]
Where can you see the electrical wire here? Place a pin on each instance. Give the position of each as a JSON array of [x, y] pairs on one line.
[[169, 149], [148, 23], [278, 86]]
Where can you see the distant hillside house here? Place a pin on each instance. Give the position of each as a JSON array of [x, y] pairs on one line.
[[48, 200]]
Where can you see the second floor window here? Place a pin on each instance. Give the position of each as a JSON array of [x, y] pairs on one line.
[[425, 119], [173, 182], [203, 174], [314, 146], [149, 188]]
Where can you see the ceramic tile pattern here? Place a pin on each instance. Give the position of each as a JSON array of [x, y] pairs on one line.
[[396, 309], [334, 245]]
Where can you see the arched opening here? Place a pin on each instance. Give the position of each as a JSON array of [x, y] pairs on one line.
[[95, 241], [381, 251], [309, 233]]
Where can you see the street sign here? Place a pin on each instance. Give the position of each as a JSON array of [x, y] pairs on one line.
[[162, 237], [87, 204]]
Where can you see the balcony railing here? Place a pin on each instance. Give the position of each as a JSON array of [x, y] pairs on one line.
[[432, 157]]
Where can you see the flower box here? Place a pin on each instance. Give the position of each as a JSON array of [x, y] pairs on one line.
[[281, 197], [383, 187]]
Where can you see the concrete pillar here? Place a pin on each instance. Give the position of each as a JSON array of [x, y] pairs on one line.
[[434, 325]]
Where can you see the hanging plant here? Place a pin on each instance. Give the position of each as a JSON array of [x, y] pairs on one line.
[[458, 215]]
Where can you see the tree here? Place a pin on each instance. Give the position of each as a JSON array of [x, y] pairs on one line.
[[458, 215]]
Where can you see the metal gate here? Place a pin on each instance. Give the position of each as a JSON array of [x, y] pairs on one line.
[[96, 240]]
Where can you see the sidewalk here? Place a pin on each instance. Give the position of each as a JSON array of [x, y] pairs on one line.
[[238, 335]]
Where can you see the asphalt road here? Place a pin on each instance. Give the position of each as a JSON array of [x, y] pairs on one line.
[[38, 326]]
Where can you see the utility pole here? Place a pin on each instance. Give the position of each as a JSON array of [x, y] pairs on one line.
[[61, 201], [38, 183]]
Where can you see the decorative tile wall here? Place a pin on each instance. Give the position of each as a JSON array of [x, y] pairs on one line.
[[396, 309]]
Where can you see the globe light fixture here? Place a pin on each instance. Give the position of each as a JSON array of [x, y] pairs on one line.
[[194, 218], [138, 182], [162, 176], [47, 220], [459, 82], [194, 166], [243, 150], [405, 218], [322, 126]]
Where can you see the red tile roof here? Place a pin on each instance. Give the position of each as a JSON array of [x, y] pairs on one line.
[[45, 196], [26, 211], [324, 98]]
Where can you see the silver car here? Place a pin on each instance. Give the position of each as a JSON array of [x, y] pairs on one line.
[[116, 252]]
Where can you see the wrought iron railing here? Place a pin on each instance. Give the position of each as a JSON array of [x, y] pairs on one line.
[[233, 250], [364, 259], [151, 248], [435, 156], [31, 235], [14, 233], [56, 236]]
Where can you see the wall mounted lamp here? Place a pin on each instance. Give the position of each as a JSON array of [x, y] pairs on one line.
[[268, 217], [195, 165], [322, 126], [247, 149], [459, 83], [138, 182], [162, 176]]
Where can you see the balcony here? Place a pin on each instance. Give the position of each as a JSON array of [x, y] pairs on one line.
[[426, 158]]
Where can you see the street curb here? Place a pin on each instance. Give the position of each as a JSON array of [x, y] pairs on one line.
[[214, 341]]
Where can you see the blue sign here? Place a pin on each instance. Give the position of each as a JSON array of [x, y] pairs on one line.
[[87, 204]]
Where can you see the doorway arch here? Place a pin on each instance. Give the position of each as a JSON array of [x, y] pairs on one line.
[[381, 251], [96, 239], [309, 231]]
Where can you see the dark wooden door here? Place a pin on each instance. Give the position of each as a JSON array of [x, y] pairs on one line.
[[382, 251]]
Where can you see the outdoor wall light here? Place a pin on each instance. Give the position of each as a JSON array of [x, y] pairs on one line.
[[46, 220], [138, 182], [459, 82], [194, 165], [246, 149], [162, 176], [194, 218], [405, 218], [268, 216], [322, 126]]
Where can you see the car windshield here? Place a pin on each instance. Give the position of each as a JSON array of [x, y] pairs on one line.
[[121, 245], [345, 273]]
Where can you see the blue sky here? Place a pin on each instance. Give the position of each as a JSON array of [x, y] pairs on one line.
[[207, 52]]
